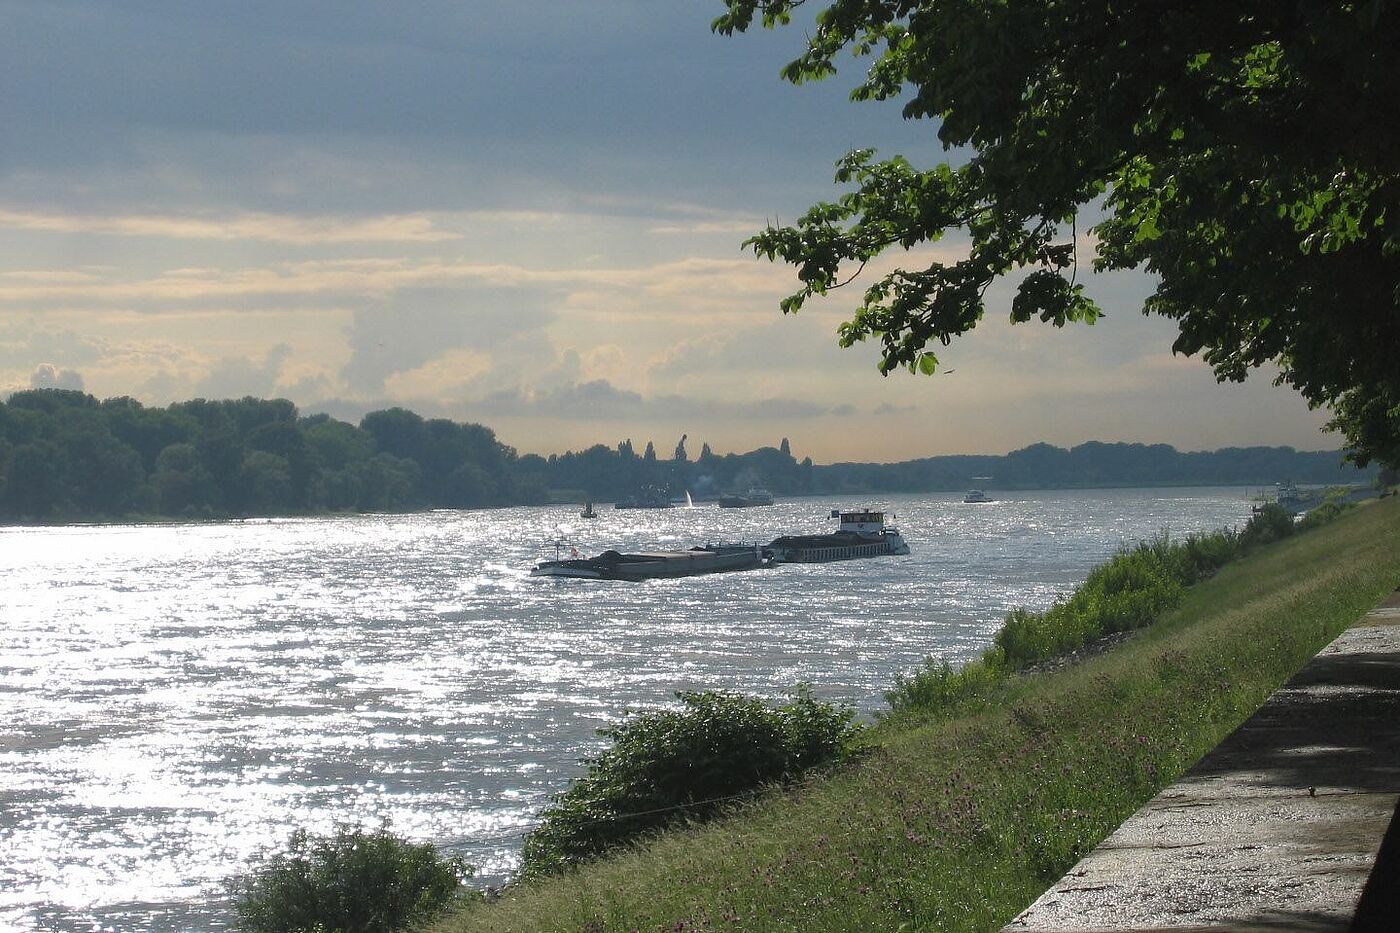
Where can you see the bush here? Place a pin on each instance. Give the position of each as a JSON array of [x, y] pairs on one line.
[[1335, 504], [1131, 590], [937, 686], [668, 766], [349, 882], [1203, 554], [1271, 523]]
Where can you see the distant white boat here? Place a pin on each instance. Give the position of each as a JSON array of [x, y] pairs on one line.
[[977, 495]]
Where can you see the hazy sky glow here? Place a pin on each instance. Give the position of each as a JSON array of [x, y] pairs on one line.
[[527, 215]]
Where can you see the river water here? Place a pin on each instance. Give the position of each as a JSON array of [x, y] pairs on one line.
[[176, 699]]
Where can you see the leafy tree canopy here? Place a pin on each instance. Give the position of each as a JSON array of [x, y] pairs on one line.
[[1245, 152]]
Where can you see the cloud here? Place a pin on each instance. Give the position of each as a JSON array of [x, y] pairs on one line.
[[22, 343], [701, 280], [743, 228], [401, 228], [600, 400], [235, 377], [70, 276], [421, 325], [780, 343], [597, 399], [440, 376], [49, 376], [563, 90]]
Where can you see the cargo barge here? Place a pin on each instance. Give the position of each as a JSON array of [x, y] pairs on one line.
[[860, 534], [654, 565]]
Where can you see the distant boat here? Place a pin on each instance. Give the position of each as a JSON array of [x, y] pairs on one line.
[[977, 495], [588, 510], [1288, 496], [756, 496]]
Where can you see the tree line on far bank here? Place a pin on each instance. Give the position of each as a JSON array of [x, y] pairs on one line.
[[1096, 464], [67, 456]]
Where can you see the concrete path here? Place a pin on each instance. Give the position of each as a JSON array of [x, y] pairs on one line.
[[1278, 828]]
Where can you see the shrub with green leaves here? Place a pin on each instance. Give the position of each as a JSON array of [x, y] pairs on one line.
[[687, 764], [1271, 523], [1334, 504], [352, 881], [1131, 590], [1201, 555], [1128, 592], [938, 685]]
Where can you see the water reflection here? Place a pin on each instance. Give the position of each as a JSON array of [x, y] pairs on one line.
[[176, 698]]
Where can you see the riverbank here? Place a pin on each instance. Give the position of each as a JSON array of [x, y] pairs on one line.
[[572, 500], [1281, 826], [959, 821]]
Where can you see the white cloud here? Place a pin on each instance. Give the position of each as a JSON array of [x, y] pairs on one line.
[[739, 228], [235, 377], [280, 228], [49, 376], [420, 325], [599, 399], [440, 377], [702, 279]]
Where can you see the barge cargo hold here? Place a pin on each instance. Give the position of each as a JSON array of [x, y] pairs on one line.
[[613, 565]]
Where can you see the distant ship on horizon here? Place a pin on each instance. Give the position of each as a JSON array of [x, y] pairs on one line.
[[756, 496]]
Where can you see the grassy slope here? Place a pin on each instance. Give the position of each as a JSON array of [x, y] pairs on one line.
[[959, 823]]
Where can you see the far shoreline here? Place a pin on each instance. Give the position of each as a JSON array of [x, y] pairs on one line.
[[1260, 488]]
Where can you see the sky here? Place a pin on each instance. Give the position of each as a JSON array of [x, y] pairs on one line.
[[528, 215]]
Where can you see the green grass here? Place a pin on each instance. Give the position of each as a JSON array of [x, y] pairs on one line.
[[1131, 590], [958, 820]]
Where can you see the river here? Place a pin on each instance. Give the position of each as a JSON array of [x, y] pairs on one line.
[[176, 699]]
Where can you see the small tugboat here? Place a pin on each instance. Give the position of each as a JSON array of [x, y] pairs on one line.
[[861, 534], [588, 510], [613, 565], [977, 495], [756, 496]]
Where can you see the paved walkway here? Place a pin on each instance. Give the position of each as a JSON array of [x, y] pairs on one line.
[[1278, 828]]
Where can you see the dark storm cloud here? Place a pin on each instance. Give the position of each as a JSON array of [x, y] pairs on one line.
[[612, 90]]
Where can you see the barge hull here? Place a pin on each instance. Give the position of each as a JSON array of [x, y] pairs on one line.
[[611, 565]]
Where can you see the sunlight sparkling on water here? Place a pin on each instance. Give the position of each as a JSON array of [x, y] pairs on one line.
[[175, 699]]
